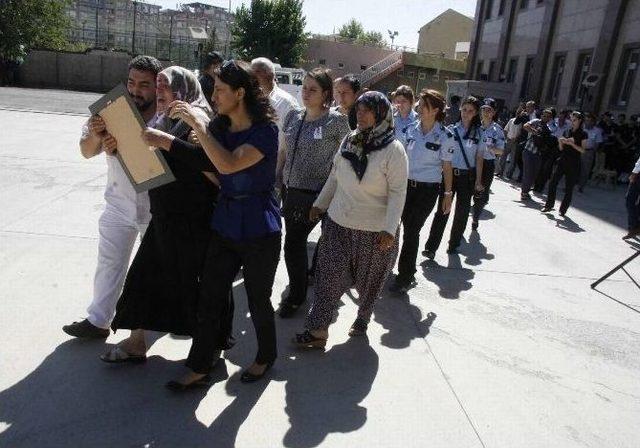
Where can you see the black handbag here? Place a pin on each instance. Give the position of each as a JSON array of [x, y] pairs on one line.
[[297, 202]]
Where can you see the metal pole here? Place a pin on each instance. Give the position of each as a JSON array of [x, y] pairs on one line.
[[612, 271], [170, 34], [97, 6], [133, 34]]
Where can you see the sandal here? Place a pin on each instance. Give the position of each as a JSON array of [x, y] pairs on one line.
[[117, 355], [308, 340], [359, 327]]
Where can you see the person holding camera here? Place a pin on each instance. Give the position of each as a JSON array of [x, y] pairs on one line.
[[540, 132]]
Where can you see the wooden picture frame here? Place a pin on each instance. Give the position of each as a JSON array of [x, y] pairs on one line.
[[145, 168]]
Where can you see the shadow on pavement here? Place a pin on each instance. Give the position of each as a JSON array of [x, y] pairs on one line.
[[74, 399], [475, 251], [391, 312], [565, 223], [451, 280]]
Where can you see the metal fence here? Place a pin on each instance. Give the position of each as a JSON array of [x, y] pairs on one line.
[[181, 50]]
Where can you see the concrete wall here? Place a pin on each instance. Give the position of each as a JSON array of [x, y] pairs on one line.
[[441, 34], [352, 56], [94, 71]]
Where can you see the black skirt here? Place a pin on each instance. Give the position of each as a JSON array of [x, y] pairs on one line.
[[162, 286]]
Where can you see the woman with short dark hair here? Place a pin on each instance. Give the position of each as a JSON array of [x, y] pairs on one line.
[[572, 144], [346, 90]]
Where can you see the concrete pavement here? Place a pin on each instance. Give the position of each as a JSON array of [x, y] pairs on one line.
[[503, 346]]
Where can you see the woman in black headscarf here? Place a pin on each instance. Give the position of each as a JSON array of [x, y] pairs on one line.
[[162, 285], [363, 197]]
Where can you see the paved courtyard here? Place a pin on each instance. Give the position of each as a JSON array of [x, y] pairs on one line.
[[505, 345]]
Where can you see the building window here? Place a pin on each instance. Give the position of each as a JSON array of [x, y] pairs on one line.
[[322, 62], [524, 4], [488, 10], [491, 74], [340, 65], [582, 70], [526, 77], [556, 78], [400, 72], [479, 69], [363, 67], [626, 76], [422, 75], [411, 74], [512, 70], [501, 7]]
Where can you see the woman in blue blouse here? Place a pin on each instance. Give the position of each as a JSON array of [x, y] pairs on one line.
[[242, 143]]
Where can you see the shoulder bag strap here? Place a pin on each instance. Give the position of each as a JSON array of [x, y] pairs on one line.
[[464, 154], [295, 144]]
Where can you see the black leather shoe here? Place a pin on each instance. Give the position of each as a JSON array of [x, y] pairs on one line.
[[429, 254], [287, 310], [86, 330], [177, 386], [248, 377]]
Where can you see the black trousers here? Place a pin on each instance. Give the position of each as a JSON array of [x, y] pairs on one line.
[[570, 169], [296, 258], [421, 198], [259, 261], [548, 162], [463, 189], [480, 200]]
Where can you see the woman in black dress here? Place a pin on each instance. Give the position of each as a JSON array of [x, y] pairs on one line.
[[161, 289], [572, 144]]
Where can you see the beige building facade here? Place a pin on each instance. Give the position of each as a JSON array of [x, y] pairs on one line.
[[340, 56], [443, 33], [546, 48]]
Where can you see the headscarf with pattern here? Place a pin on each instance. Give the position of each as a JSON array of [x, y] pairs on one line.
[[186, 87], [357, 145]]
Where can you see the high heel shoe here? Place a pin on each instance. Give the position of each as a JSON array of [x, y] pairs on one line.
[[248, 377]]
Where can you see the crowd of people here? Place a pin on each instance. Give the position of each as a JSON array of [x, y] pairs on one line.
[[361, 164]]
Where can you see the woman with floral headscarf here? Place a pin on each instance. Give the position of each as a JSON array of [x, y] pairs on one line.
[[161, 289], [363, 197]]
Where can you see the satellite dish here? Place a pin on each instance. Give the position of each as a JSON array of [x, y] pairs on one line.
[[592, 79]]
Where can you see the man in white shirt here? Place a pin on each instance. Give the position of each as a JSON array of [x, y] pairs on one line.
[[511, 131], [281, 101], [126, 214], [595, 139], [633, 202]]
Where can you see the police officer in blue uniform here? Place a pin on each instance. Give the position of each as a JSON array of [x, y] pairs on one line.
[[467, 166], [404, 115], [430, 147], [493, 139]]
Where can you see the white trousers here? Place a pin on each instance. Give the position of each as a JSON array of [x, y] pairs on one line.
[[118, 235]]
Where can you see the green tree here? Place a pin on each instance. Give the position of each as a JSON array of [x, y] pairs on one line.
[[351, 30], [372, 38], [354, 30], [270, 28], [27, 24]]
